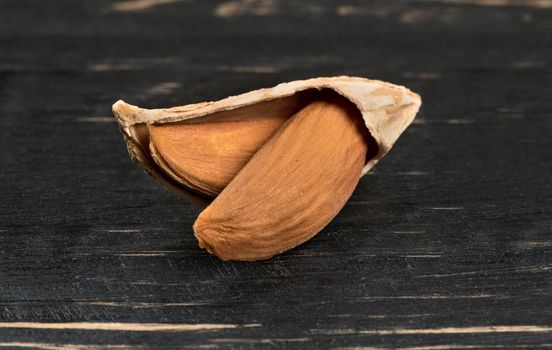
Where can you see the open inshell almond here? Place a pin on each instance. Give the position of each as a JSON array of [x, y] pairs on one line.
[[292, 187], [201, 150]]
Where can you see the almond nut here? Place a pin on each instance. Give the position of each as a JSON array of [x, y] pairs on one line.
[[275, 165], [204, 154], [294, 185]]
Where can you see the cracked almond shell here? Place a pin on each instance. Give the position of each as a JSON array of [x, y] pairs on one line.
[[386, 110]]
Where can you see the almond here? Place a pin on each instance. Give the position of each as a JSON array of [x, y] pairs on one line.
[[204, 154], [294, 185], [273, 166]]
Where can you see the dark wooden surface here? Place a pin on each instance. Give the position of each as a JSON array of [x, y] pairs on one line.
[[447, 243]]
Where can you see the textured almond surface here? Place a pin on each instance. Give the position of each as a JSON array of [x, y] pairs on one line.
[[204, 154], [292, 187], [386, 109]]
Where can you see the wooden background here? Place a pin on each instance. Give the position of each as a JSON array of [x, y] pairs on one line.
[[445, 244]]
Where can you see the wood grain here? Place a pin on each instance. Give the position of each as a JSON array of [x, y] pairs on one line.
[[445, 244]]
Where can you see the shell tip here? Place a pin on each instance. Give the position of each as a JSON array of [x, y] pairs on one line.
[[121, 109], [126, 114]]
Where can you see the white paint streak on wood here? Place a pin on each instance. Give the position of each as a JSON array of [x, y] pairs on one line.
[[460, 121], [532, 244], [527, 64], [135, 305], [164, 88], [250, 69], [429, 76], [54, 346], [123, 231], [414, 173], [347, 10], [149, 253], [126, 327], [106, 67], [380, 317], [246, 7], [429, 297], [144, 283], [96, 120], [462, 330], [128, 64], [422, 256], [440, 331], [423, 75], [406, 16], [258, 341], [491, 271], [419, 121], [107, 280], [383, 316], [526, 17], [313, 253], [417, 15], [339, 331], [139, 254], [507, 110], [456, 346], [447, 208], [409, 232], [163, 251], [525, 3], [476, 346], [138, 5]]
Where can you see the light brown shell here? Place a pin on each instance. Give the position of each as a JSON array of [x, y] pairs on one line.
[[387, 110]]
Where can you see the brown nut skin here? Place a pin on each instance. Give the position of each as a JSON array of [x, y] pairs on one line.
[[205, 157], [205, 154], [294, 185]]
